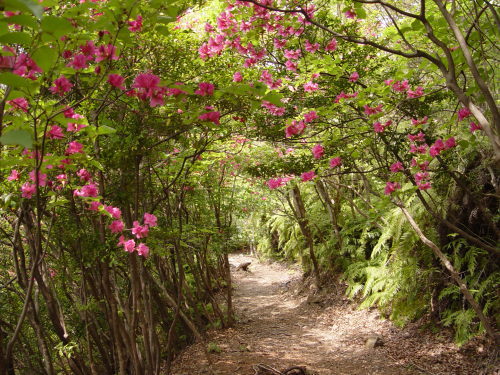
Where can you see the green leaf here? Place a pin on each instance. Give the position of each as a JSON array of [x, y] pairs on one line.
[[16, 37], [17, 137], [25, 5], [23, 20], [45, 57], [104, 129], [274, 98], [57, 26], [13, 80]]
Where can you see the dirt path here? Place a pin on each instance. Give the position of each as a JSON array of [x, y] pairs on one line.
[[279, 328]]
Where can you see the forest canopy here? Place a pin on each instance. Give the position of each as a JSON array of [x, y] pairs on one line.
[[141, 142]]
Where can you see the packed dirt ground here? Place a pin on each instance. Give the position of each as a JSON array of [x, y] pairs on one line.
[[282, 324]]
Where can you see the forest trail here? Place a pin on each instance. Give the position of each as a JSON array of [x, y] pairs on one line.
[[279, 327]]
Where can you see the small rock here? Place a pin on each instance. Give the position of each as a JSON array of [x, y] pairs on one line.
[[373, 341]]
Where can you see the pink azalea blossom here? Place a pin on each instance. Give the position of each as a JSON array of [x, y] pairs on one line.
[[311, 47], [350, 14], [28, 190], [331, 46], [106, 52], [115, 212], [279, 43], [143, 250], [140, 231], [205, 89], [335, 162], [89, 190], [213, 116], [310, 116], [74, 148], [416, 122], [19, 103], [116, 80], [310, 86], [116, 226], [94, 206], [237, 77], [354, 77], [42, 178], [473, 127], [318, 151], [419, 91], [424, 185], [450, 143], [390, 187], [150, 220], [292, 54], [88, 49], [129, 246], [291, 65], [14, 175], [401, 86], [79, 62], [378, 127], [55, 132], [84, 175], [297, 127], [275, 183], [463, 113], [61, 86], [396, 167], [307, 176], [136, 25], [372, 110]]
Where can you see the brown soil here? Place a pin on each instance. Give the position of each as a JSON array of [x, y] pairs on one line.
[[280, 327]]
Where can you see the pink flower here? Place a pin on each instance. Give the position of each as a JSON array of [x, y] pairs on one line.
[[450, 143], [292, 54], [401, 86], [129, 246], [310, 86], [306, 176], [89, 190], [291, 65], [354, 77], [378, 127], [116, 80], [84, 175], [419, 91], [310, 47], [275, 183], [237, 77], [61, 85], [88, 49], [335, 162], [14, 175], [437, 147], [297, 127], [390, 187], [396, 167], [350, 14], [74, 148], [19, 103], [106, 52], [310, 116], [115, 212], [373, 110], [55, 132], [142, 250], [318, 151], [150, 220], [463, 113], [136, 25], [116, 226], [279, 43], [94, 206], [28, 190], [79, 62], [415, 122], [424, 185], [42, 178], [205, 89], [213, 116], [420, 137], [140, 231], [473, 127], [331, 46]]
